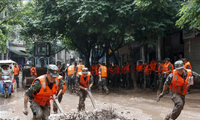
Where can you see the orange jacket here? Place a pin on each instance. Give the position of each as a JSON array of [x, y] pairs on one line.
[[123, 70], [139, 67], [128, 68], [186, 64], [80, 68], [159, 68], [84, 82], [153, 65], [16, 70], [103, 71], [111, 70], [117, 69], [70, 70], [147, 70], [64, 84], [166, 68], [178, 84], [44, 95], [33, 71]]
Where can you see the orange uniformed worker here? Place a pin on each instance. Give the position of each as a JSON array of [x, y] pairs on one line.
[[62, 88], [16, 74], [84, 81], [153, 65], [178, 82], [187, 65], [33, 71], [147, 73], [103, 78], [71, 76], [139, 72], [40, 93]]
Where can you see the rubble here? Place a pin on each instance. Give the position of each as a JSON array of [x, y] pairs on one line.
[[103, 114]]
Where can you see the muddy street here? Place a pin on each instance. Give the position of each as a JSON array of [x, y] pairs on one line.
[[132, 104]]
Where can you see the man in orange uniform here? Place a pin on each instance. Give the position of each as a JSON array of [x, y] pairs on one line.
[[159, 81], [71, 76], [102, 78], [84, 82], [128, 76], [147, 73], [187, 65], [139, 72], [110, 74], [153, 72], [60, 92], [33, 71], [79, 66], [178, 82], [16, 74], [123, 74], [167, 68], [40, 93], [117, 75]]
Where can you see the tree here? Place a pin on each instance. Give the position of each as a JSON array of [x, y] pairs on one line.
[[102, 23], [9, 10], [189, 15]]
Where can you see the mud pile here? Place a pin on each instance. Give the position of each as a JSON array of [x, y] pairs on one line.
[[90, 115]]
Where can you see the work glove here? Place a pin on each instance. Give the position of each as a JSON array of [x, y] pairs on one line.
[[159, 97], [25, 111]]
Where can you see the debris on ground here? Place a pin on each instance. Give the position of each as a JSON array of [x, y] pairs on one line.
[[90, 115]]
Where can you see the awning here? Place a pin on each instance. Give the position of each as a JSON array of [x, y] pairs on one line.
[[19, 53]]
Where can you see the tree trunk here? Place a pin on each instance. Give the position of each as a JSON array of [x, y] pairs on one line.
[[132, 62]]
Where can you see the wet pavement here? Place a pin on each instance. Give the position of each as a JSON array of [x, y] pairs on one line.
[[130, 104]]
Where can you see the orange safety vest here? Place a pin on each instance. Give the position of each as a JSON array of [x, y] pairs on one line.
[[186, 64], [82, 81], [70, 70], [166, 68], [93, 69], [153, 66], [64, 84], [96, 70], [33, 71], [16, 70], [139, 67], [123, 69], [44, 95], [128, 68], [80, 68], [118, 70], [178, 84], [147, 70], [103, 71], [159, 67]]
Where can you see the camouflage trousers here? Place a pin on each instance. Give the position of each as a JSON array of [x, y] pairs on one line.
[[82, 95], [39, 112], [55, 108], [179, 102], [102, 84]]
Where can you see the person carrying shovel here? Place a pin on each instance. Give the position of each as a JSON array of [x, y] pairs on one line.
[[41, 92], [84, 82]]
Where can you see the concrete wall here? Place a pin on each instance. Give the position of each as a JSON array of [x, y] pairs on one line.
[[192, 52]]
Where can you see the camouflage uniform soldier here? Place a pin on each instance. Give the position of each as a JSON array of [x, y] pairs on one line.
[[40, 93], [84, 81], [178, 82]]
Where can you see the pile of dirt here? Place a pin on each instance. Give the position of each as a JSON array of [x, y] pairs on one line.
[[90, 115]]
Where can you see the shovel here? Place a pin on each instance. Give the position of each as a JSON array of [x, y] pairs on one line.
[[58, 104], [91, 98]]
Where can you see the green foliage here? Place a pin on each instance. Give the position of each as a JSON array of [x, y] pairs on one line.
[[189, 15], [11, 9]]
